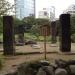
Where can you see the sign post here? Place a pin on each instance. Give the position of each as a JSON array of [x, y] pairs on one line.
[[45, 46], [45, 31]]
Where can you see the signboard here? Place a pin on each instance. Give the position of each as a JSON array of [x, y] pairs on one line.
[[45, 30]]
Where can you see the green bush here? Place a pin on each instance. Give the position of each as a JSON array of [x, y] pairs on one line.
[[73, 38]]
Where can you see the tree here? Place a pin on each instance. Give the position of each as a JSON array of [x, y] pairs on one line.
[[34, 23], [35, 28], [18, 22], [35, 31], [4, 7], [30, 20], [40, 21]]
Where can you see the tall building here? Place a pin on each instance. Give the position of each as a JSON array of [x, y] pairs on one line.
[[43, 14], [24, 8], [52, 13]]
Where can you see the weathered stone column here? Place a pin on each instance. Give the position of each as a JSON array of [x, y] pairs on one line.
[[21, 38], [53, 32], [8, 35], [21, 35], [65, 35]]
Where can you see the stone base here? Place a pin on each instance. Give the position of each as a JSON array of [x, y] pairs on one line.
[[35, 46], [53, 45], [67, 53], [20, 44]]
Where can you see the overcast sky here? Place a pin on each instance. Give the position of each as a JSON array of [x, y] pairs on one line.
[[60, 5]]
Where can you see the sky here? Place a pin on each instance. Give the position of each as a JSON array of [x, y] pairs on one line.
[[60, 5]]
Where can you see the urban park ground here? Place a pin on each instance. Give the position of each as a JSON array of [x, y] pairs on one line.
[[29, 53]]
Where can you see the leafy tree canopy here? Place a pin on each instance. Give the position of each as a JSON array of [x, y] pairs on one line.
[[18, 22], [40, 21]]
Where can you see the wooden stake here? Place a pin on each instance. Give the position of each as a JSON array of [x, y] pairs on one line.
[[45, 47]]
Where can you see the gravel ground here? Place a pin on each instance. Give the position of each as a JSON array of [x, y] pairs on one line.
[[12, 62]]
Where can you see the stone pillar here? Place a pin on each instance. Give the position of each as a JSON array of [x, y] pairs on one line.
[[21, 35], [65, 35], [8, 35], [53, 32], [21, 38]]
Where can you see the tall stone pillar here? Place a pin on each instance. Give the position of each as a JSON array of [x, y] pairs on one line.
[[53, 32], [21, 35], [21, 38], [65, 35], [8, 35]]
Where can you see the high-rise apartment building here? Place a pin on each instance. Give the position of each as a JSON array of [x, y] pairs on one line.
[[43, 14], [24, 8], [52, 13]]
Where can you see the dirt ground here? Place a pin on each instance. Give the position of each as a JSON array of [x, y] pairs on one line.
[[11, 62]]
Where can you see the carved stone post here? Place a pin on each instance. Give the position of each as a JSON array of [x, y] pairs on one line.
[[65, 35], [53, 32], [21, 35], [8, 35]]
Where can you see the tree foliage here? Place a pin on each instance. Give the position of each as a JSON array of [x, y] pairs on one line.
[[34, 23], [30, 20], [18, 22], [40, 21], [4, 7], [35, 30]]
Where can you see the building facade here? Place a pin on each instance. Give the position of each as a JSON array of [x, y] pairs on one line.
[[43, 14], [24, 8], [52, 13]]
